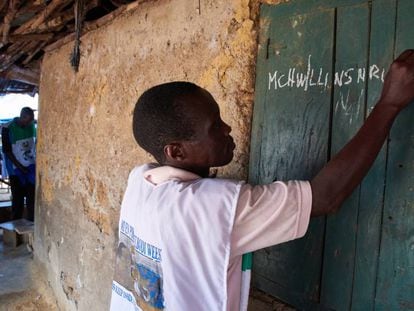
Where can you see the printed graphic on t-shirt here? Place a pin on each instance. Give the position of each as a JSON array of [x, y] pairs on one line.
[[24, 151], [138, 271]]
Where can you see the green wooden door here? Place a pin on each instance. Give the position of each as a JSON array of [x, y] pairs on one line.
[[320, 70]]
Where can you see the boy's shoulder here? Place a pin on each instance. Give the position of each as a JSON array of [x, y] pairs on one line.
[[157, 174], [139, 170]]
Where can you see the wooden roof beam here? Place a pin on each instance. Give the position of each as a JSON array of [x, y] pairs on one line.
[[31, 37], [56, 22], [89, 26], [42, 16], [14, 52], [8, 18], [34, 52], [31, 7], [22, 75], [64, 17]]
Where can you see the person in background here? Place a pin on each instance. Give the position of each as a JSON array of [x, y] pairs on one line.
[[19, 148]]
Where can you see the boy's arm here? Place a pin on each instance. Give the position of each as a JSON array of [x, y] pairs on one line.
[[336, 181]]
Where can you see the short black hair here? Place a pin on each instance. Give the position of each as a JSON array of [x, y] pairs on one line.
[[27, 111], [160, 118]]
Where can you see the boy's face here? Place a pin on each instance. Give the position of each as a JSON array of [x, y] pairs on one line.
[[212, 144], [26, 120]]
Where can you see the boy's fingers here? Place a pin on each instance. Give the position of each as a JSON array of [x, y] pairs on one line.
[[405, 55]]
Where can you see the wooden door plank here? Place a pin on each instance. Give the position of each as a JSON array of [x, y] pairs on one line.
[[395, 284], [349, 107], [261, 95], [372, 189], [300, 7], [290, 138]]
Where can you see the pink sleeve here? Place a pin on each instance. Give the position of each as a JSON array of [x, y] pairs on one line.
[[271, 214]]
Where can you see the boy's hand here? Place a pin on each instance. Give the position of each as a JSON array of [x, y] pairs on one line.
[[398, 89]]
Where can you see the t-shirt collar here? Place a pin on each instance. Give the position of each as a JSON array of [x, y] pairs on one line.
[[160, 174]]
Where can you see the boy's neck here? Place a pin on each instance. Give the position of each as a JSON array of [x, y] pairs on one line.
[[202, 172]]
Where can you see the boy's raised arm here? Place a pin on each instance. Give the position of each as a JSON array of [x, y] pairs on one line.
[[336, 181]]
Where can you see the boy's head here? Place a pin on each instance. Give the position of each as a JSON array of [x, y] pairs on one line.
[[26, 116], [179, 123]]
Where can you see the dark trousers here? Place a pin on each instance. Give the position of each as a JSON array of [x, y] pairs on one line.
[[19, 192]]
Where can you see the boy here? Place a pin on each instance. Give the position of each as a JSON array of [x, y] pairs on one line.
[[182, 234], [19, 148]]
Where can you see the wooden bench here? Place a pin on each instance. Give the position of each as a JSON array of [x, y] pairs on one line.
[[17, 232]]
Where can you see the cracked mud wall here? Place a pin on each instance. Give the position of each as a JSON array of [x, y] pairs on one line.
[[86, 147]]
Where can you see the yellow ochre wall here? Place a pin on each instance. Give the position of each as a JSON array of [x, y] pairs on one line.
[[86, 147]]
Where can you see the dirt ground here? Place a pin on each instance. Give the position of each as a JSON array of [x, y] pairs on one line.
[[260, 301], [22, 286], [25, 301]]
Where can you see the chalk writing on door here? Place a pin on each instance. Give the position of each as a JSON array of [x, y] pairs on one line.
[[317, 77]]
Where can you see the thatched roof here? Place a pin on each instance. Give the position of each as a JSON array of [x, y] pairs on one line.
[[29, 28]]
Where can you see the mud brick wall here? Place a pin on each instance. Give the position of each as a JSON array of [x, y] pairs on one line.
[[86, 147]]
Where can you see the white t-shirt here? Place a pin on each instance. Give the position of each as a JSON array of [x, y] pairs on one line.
[[265, 216]]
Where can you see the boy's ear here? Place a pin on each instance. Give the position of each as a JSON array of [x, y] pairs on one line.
[[174, 152]]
